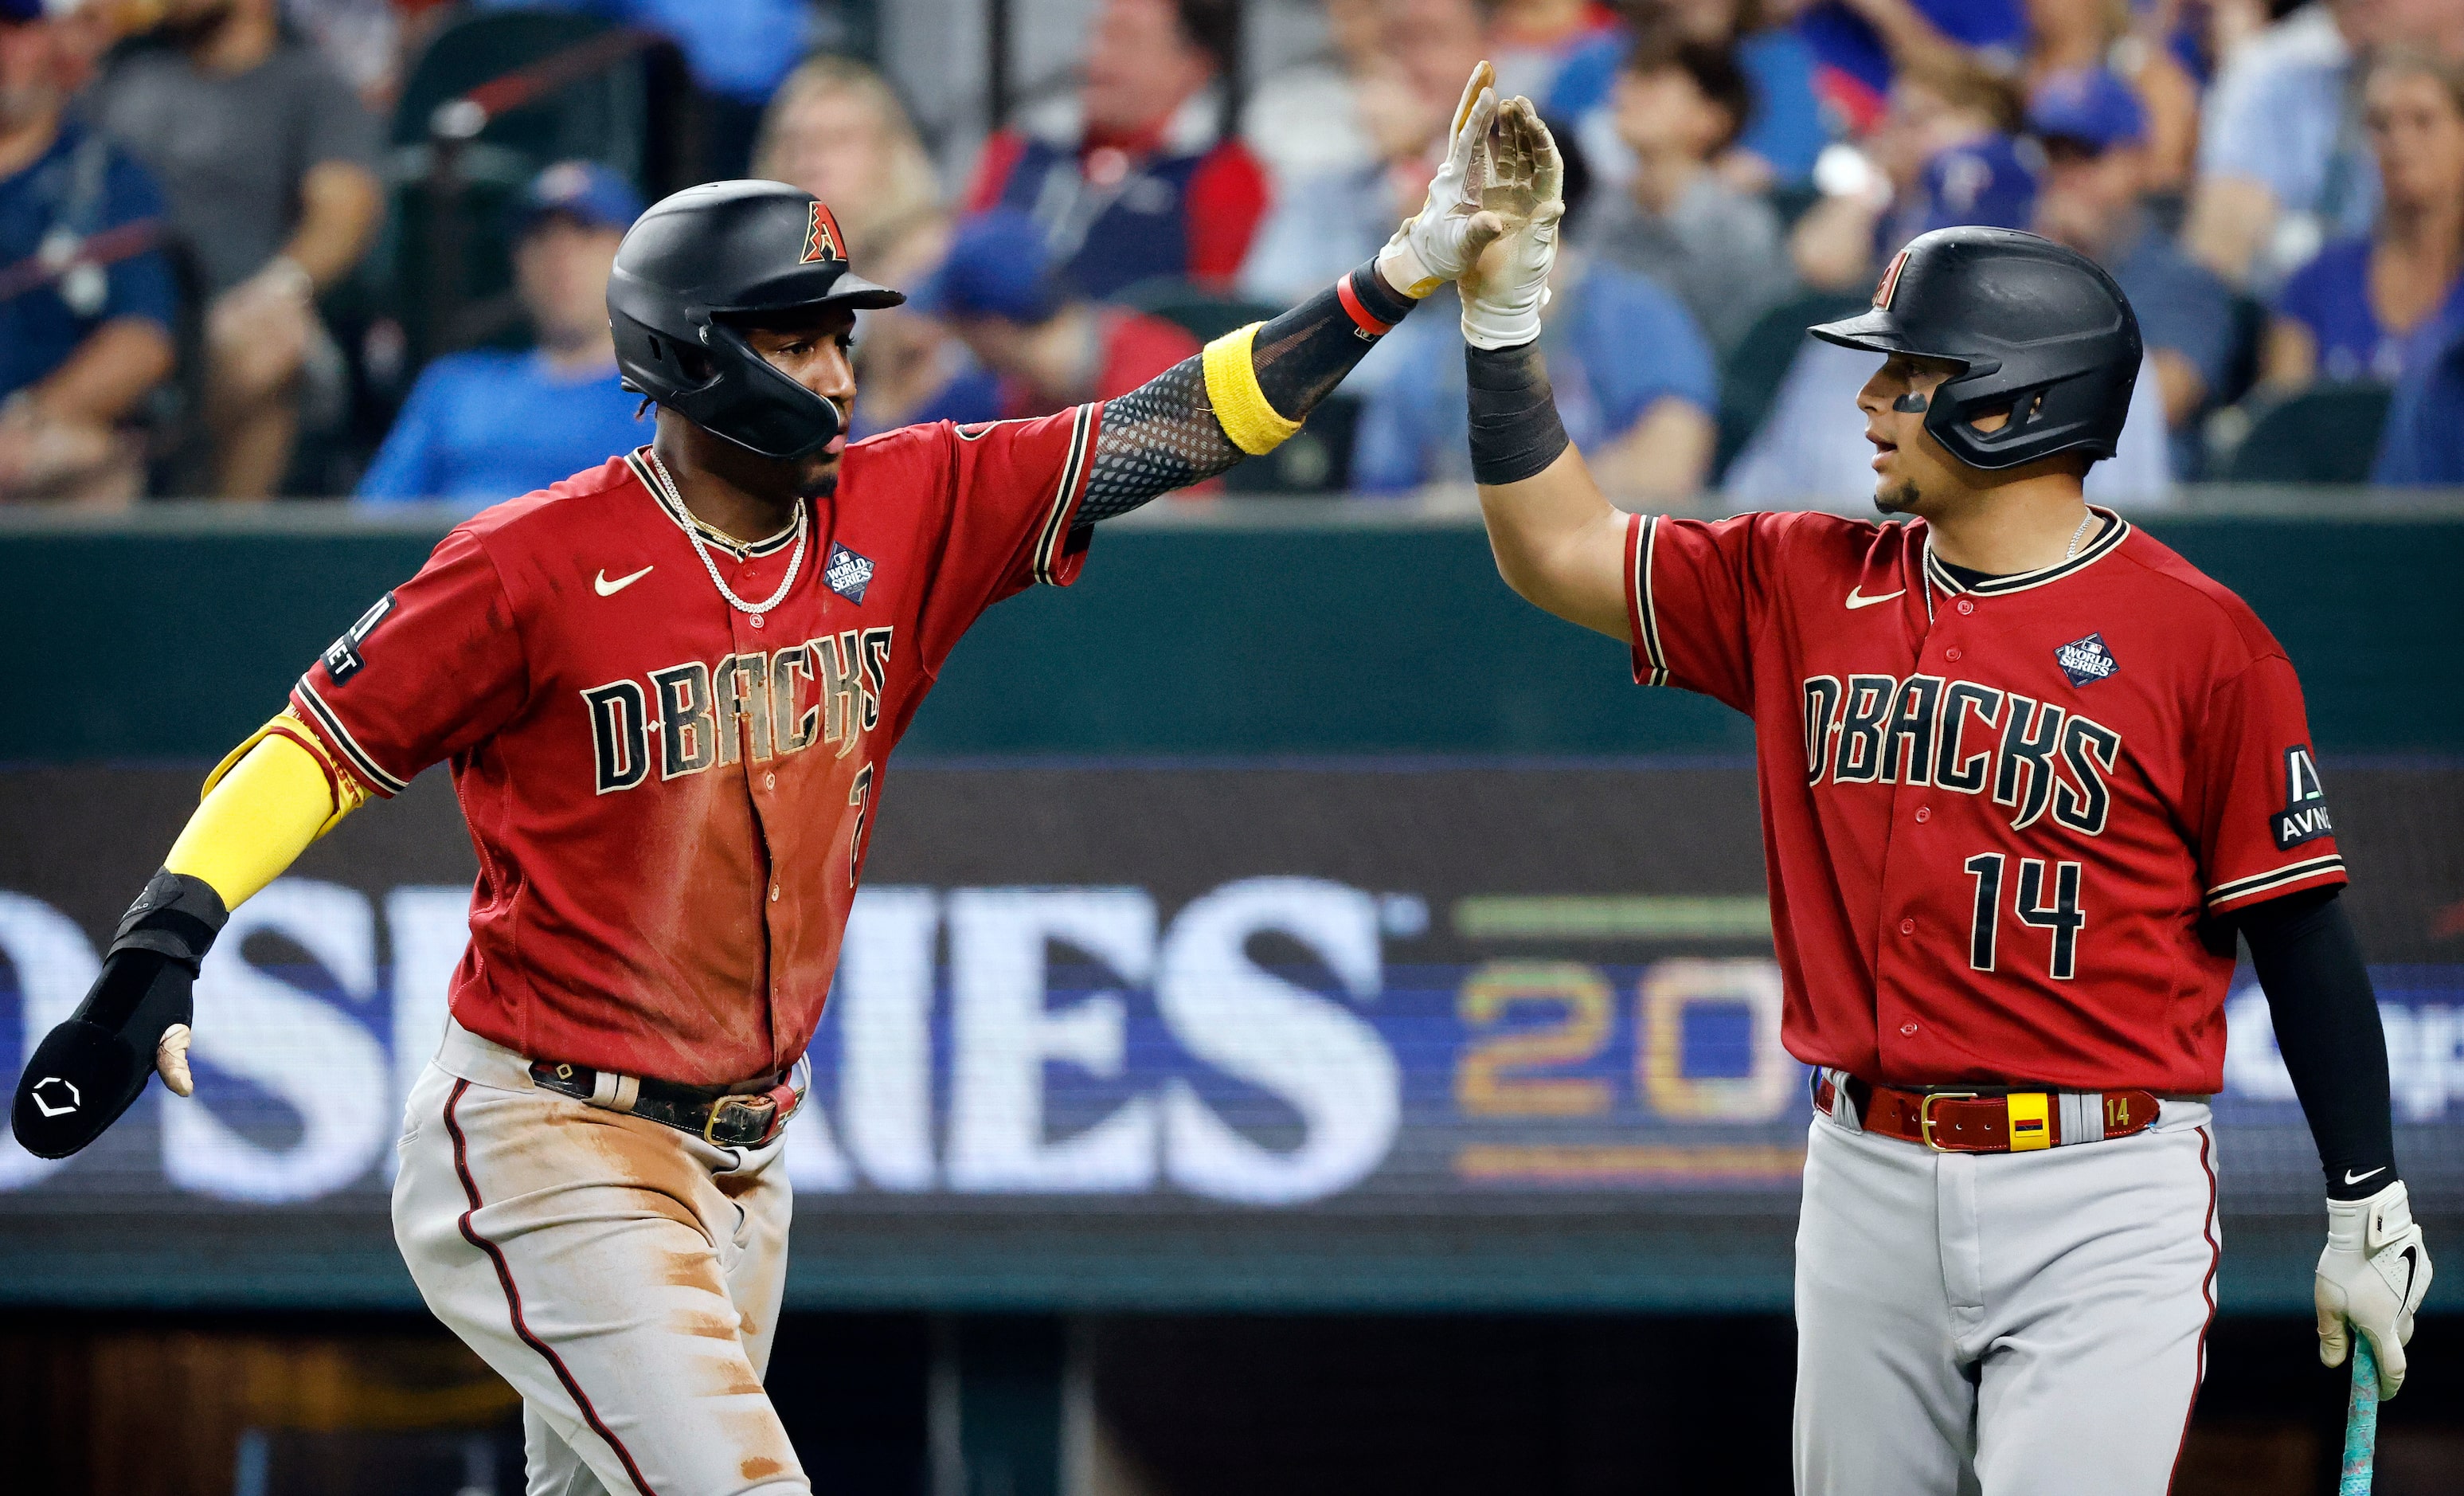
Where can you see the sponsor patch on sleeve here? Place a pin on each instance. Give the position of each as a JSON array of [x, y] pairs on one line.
[[2304, 816], [344, 657]]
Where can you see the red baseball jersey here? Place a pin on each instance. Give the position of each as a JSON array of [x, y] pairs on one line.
[[1996, 820], [671, 798]]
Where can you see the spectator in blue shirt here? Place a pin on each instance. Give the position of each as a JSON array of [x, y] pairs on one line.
[[2095, 134], [1785, 131], [2283, 163], [487, 425], [1634, 377], [1947, 153], [1678, 219], [2423, 439], [85, 298], [1861, 47], [2356, 312]]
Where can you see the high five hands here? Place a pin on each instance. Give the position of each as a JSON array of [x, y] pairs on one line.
[[1506, 287]]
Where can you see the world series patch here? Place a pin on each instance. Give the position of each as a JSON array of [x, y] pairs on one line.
[[2304, 816], [847, 572], [2087, 661]]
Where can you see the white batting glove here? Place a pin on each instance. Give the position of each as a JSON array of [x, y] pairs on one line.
[[1506, 288], [1440, 242], [2373, 1274]]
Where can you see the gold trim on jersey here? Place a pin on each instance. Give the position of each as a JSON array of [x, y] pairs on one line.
[[2115, 532], [692, 523], [370, 772], [1055, 529], [2274, 880], [1646, 610]]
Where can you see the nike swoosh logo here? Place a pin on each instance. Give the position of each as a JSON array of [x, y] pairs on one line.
[[608, 589], [2404, 1299], [2350, 1178], [1856, 601]]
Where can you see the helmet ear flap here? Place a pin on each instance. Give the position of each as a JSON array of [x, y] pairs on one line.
[[678, 366], [2062, 415]]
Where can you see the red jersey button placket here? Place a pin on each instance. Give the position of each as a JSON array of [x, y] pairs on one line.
[[748, 577]]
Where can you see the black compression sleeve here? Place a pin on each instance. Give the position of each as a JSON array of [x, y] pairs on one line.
[[2309, 962], [1163, 434], [1302, 355], [1516, 432]]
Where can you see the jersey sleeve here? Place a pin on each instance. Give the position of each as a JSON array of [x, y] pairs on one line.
[[434, 667], [1694, 589], [2262, 818], [1015, 488]]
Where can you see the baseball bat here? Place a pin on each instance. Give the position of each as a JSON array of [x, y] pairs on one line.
[[2361, 1422]]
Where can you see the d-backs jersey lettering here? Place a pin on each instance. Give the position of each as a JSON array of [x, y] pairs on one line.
[[671, 798], [1998, 821]]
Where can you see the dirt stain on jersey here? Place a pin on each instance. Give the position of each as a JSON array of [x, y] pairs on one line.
[[760, 1469]]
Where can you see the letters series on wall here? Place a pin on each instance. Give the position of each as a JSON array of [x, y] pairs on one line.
[[1293, 992]]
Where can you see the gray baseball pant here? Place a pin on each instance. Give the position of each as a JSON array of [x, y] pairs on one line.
[[2025, 1324], [624, 1276]]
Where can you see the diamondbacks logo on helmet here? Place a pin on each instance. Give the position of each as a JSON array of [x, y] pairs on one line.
[[1890, 281], [823, 240]]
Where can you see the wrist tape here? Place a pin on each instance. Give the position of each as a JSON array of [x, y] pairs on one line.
[[1374, 306], [177, 916], [1516, 432]]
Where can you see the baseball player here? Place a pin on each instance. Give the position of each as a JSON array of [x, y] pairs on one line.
[[2024, 775], [667, 688]]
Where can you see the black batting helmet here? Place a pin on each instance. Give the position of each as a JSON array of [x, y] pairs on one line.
[[2035, 329], [707, 262]]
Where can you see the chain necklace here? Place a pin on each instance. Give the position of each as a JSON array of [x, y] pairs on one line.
[[2080, 535], [701, 548]]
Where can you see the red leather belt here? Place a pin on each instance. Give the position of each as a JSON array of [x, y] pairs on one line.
[[1992, 1122]]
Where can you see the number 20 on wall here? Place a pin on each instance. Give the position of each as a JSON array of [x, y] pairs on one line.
[[1521, 1072]]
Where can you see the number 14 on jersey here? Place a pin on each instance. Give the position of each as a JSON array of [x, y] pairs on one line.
[[2062, 916]]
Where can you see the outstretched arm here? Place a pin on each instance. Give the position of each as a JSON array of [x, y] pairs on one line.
[[1557, 540], [1252, 389], [1242, 398], [263, 805]]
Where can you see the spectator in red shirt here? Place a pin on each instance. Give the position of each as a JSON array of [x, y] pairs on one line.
[[1135, 179], [1047, 347]]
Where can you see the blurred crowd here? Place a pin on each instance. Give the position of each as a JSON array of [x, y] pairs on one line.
[[251, 247]]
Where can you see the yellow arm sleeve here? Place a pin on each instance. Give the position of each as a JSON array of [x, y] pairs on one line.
[[264, 803], [1247, 417]]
